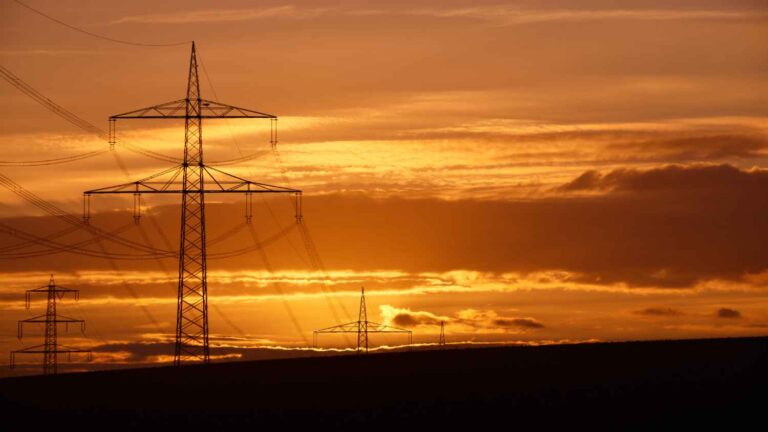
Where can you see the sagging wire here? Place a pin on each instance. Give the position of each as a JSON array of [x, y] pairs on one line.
[[96, 35]]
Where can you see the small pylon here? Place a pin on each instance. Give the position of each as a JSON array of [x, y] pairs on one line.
[[441, 341], [362, 321], [362, 327], [50, 348]]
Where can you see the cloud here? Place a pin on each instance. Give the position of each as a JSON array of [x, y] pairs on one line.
[[223, 15], [401, 317], [471, 320], [124, 354], [671, 226], [727, 313], [673, 178], [497, 15], [54, 53], [510, 15], [695, 148], [518, 323], [489, 319], [659, 311], [153, 353]]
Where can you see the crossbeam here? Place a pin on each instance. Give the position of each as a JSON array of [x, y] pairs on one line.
[[353, 326], [219, 181], [177, 109]]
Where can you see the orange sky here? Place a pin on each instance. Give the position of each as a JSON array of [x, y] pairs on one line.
[[527, 171]]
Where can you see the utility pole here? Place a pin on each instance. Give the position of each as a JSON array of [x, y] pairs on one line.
[[441, 341], [197, 180], [50, 348], [362, 327]]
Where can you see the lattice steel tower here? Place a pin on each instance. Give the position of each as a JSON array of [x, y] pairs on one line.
[[198, 180], [50, 348], [362, 327], [362, 320]]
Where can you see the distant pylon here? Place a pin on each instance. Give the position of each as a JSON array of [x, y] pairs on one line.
[[362, 327], [50, 348], [362, 319], [441, 342]]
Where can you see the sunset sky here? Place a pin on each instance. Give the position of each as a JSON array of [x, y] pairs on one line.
[[531, 171]]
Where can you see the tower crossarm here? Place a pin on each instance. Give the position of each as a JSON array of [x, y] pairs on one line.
[[177, 110], [48, 290], [49, 350], [59, 290], [60, 349], [39, 318], [47, 320], [217, 181], [58, 319], [351, 327], [362, 327]]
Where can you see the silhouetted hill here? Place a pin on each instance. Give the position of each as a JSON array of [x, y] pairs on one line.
[[618, 386]]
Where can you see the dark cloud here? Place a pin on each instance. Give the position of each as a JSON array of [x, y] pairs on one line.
[[478, 319], [673, 178], [728, 313], [667, 227], [528, 323], [620, 146], [659, 311], [695, 148], [410, 319], [136, 351], [147, 352], [490, 319]]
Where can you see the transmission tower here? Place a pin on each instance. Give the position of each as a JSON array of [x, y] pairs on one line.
[[50, 348], [362, 319], [441, 341], [197, 180], [362, 327]]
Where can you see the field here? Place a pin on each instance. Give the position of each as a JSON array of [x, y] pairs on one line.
[[629, 385]]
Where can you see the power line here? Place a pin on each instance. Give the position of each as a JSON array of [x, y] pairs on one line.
[[63, 160], [23, 245], [252, 156], [312, 254], [278, 286], [71, 219], [98, 233], [86, 126], [133, 293], [77, 29], [161, 265], [324, 289], [55, 247], [74, 118]]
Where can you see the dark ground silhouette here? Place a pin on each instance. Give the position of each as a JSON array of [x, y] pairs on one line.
[[661, 385]]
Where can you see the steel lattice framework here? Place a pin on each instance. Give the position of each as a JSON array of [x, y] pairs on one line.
[[362, 327], [197, 180], [50, 348]]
